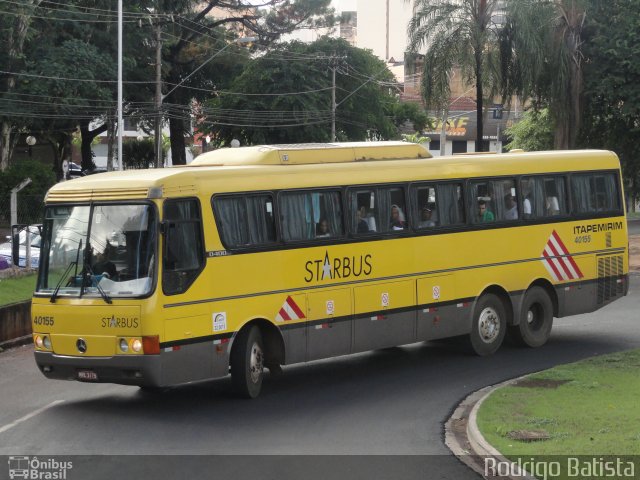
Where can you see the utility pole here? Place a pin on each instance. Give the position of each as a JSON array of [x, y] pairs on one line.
[[333, 100], [158, 122], [120, 121]]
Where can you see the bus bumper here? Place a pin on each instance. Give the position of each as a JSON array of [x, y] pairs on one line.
[[142, 370]]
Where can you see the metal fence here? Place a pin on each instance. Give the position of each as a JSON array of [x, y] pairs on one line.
[[30, 209]]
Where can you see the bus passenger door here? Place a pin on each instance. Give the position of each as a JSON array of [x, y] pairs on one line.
[[437, 312], [384, 315], [329, 323]]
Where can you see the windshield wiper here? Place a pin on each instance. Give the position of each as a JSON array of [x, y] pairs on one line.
[[54, 295], [91, 274]]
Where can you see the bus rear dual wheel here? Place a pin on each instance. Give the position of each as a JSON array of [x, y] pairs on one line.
[[536, 319], [489, 322]]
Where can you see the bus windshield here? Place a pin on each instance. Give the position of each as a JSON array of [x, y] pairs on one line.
[[98, 250]]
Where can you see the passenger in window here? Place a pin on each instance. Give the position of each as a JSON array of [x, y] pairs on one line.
[[552, 206], [511, 207], [322, 229], [484, 214], [103, 264], [397, 221], [363, 225], [526, 201], [425, 218]]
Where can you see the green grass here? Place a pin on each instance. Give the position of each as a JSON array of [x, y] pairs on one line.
[[633, 215], [14, 290], [594, 413]]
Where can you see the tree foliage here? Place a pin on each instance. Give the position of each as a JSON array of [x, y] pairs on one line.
[[457, 34], [195, 25], [285, 97], [533, 132], [542, 59], [612, 95]]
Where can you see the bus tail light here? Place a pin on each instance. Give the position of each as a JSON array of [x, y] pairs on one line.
[[151, 345]]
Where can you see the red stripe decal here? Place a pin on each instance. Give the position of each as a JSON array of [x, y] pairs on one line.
[[295, 307], [283, 313], [560, 260], [551, 264], [569, 257], [555, 235]]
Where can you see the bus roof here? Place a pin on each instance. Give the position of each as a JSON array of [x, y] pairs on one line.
[[312, 153], [235, 171]]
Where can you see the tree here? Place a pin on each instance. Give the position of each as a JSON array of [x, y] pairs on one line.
[[191, 22], [456, 34], [533, 132], [286, 96], [15, 30], [612, 96], [69, 77], [542, 58], [403, 112]]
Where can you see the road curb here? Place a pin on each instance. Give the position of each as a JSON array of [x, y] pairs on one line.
[[464, 439]]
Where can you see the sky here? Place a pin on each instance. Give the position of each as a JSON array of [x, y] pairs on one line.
[[345, 5]]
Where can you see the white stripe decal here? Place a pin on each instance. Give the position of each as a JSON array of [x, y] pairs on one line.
[[549, 269], [560, 248]]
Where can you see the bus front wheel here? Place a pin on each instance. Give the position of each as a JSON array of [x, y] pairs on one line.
[[247, 362], [536, 319], [489, 325]]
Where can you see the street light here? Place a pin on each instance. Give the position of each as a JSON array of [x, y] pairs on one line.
[[160, 97]]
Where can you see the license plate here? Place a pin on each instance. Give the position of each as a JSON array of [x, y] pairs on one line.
[[87, 375]]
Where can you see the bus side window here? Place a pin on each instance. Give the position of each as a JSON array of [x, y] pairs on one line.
[[450, 204], [594, 193], [426, 215], [245, 220], [555, 196], [309, 215], [378, 210], [183, 258]]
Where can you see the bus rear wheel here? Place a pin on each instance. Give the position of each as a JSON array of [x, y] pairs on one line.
[[489, 325], [247, 362], [536, 319]]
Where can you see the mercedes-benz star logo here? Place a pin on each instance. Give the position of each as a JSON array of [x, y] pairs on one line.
[[81, 345]]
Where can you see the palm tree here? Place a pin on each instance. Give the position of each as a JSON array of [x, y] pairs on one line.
[[542, 46], [456, 34]]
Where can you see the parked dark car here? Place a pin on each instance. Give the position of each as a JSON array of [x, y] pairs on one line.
[[75, 171]]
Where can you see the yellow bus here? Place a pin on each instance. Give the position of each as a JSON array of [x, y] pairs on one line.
[[252, 258]]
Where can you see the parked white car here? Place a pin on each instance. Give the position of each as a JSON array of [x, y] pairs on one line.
[[34, 238]]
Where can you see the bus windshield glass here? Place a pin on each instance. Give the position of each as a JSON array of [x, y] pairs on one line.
[[99, 250]]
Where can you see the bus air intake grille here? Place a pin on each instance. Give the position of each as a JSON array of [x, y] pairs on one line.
[[106, 194], [610, 270]]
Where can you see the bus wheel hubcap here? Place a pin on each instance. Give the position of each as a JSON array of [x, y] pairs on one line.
[[489, 324], [257, 363], [530, 317]]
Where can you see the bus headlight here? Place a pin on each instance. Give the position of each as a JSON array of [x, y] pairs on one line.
[[38, 341], [46, 341], [124, 346], [136, 345]]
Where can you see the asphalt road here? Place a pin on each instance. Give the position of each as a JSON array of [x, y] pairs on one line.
[[374, 415]]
